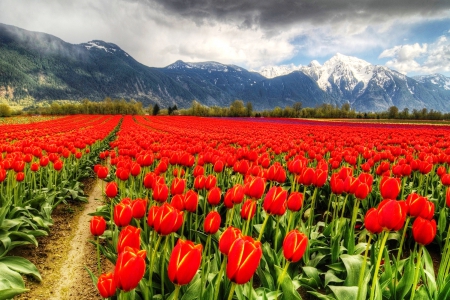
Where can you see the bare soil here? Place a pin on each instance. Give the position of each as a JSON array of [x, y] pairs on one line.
[[62, 256]]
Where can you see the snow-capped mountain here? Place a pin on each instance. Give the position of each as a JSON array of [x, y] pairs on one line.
[[275, 71], [440, 81]]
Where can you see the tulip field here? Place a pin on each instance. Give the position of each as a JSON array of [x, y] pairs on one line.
[[236, 208]]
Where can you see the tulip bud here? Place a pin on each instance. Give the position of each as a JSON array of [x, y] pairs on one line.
[[97, 225], [130, 268], [243, 259], [294, 245], [111, 189], [424, 230], [212, 222], [184, 262], [106, 285]]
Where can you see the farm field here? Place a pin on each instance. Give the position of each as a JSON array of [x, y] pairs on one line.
[[223, 208]]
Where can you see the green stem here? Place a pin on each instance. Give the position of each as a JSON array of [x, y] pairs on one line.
[[291, 217], [377, 266], [276, 230], [280, 280], [343, 206], [207, 246], [311, 212], [405, 228], [230, 295], [416, 274], [262, 227], [99, 266], [363, 268], [152, 261], [162, 259], [219, 277], [177, 292]]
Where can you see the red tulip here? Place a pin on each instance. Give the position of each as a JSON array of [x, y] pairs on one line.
[[392, 214], [214, 196], [178, 202], [167, 219], [191, 201], [152, 215], [199, 182], [389, 187], [445, 179], [227, 238], [178, 185], [122, 214], [424, 230], [97, 225], [212, 222], [371, 221], [275, 201], [184, 262], [102, 172], [362, 191], [255, 188], [58, 165], [416, 204], [34, 167], [43, 161], [248, 209], [149, 180], [336, 184], [106, 285], [243, 259], [135, 169], [447, 196], [20, 177], [130, 268], [160, 192], [210, 182], [139, 208], [129, 237], [295, 201], [294, 245], [111, 189], [218, 166]]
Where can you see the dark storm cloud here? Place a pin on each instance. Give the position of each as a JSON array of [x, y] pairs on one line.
[[278, 13]]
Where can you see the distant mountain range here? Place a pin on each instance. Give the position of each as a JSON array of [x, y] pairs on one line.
[[47, 68]]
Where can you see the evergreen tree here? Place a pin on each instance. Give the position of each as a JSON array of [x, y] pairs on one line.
[[156, 109]]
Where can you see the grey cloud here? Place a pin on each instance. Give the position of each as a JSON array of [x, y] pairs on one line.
[[269, 13]]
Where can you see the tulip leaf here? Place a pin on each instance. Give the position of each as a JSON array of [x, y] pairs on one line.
[[21, 265], [331, 277], [344, 292], [287, 286], [321, 296], [444, 292], [353, 265], [93, 277], [428, 271], [313, 275], [193, 290], [405, 283], [14, 279]]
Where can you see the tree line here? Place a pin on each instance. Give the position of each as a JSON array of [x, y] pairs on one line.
[[236, 109]]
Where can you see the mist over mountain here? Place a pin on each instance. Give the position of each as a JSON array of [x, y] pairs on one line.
[[47, 68]]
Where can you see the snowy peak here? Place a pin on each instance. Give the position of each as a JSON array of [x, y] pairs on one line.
[[103, 46], [436, 79], [209, 66], [275, 71]]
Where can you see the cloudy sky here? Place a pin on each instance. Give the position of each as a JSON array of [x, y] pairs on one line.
[[411, 36]]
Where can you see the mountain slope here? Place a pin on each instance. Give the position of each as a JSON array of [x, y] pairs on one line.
[[46, 67]]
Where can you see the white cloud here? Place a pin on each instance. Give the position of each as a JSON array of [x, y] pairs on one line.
[[420, 59]]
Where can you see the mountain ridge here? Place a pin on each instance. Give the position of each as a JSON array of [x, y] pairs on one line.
[[45, 67]]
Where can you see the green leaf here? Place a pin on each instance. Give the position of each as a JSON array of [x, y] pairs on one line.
[[14, 279], [92, 275], [444, 293], [193, 290], [344, 292], [287, 286], [21, 265], [331, 277], [321, 296], [353, 265], [405, 283], [313, 275]]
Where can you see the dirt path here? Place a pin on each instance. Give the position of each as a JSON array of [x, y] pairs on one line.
[[62, 256]]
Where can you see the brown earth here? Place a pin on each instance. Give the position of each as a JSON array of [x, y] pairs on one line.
[[61, 256]]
